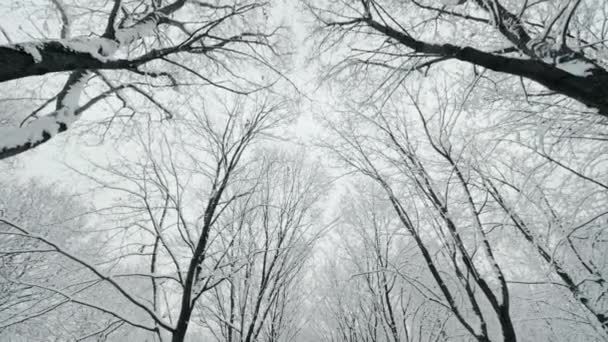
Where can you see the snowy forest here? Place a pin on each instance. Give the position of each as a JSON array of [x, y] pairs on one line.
[[303, 170]]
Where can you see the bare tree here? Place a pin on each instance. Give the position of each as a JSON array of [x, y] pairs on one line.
[[160, 237], [378, 289], [374, 157], [483, 188], [559, 45], [471, 200], [36, 283], [456, 214], [275, 231]]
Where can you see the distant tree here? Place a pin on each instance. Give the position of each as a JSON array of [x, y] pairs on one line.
[[270, 235], [375, 286], [38, 287]]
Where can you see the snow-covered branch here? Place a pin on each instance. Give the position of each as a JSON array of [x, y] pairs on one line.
[[14, 140], [77, 54]]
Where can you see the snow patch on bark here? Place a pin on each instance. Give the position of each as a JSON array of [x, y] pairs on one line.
[[72, 96], [47, 126], [32, 50], [578, 68]]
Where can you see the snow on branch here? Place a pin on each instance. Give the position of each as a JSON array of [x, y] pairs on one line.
[[20, 231], [15, 140], [84, 55], [44, 56]]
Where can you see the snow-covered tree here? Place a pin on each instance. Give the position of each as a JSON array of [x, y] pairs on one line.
[[560, 45], [113, 48]]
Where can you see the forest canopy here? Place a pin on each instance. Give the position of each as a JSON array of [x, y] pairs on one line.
[[310, 170]]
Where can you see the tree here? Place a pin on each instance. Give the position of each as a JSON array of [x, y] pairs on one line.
[[559, 45], [428, 162], [468, 186], [40, 288], [134, 41], [562, 232], [189, 224], [272, 232]]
